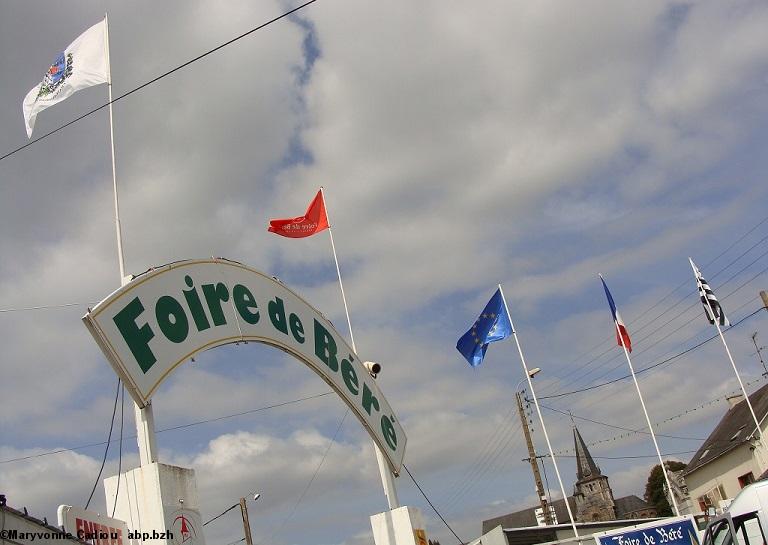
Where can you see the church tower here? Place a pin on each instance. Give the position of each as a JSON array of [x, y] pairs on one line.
[[592, 492]]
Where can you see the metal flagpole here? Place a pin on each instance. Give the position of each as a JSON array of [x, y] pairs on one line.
[[387, 478], [541, 418], [647, 419], [145, 420], [727, 351]]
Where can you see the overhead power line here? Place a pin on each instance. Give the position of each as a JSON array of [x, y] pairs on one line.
[[635, 325], [311, 480], [158, 78], [408, 471], [47, 307], [108, 441], [645, 369], [182, 426], [656, 424]]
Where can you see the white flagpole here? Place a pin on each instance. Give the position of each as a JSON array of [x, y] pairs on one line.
[[541, 418], [145, 420], [727, 350], [387, 478], [338, 271], [120, 256], [645, 412]]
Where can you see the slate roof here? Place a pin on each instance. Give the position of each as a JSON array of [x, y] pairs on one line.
[[733, 430], [629, 504], [586, 468], [527, 517]]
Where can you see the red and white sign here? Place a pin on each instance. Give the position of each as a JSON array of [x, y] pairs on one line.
[[92, 527]]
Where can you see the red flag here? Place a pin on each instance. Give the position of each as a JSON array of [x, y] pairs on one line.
[[313, 221]]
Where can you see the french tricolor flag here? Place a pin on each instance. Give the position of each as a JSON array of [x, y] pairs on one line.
[[622, 335]]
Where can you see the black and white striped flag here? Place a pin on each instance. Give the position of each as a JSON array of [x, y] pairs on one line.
[[712, 309]]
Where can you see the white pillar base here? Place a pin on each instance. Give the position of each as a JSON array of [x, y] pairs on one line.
[[155, 499], [401, 526]]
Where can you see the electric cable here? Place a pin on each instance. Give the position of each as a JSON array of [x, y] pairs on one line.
[[314, 475], [643, 370], [623, 457], [657, 424], [620, 427], [506, 434], [197, 423], [47, 307], [670, 333], [408, 471], [492, 466], [109, 439], [575, 368], [120, 451], [485, 457], [220, 514], [671, 351], [161, 76]]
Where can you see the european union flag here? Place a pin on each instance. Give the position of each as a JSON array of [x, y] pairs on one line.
[[491, 326]]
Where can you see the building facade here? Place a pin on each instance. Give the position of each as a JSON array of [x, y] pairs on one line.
[[731, 457]]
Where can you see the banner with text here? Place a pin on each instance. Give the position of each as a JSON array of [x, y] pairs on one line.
[[164, 317], [668, 531]]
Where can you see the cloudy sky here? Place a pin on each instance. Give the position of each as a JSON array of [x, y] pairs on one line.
[[461, 145]]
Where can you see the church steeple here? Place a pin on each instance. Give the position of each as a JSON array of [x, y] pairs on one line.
[[592, 492], [586, 468]]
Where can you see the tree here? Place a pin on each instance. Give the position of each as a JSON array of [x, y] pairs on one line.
[[654, 488]]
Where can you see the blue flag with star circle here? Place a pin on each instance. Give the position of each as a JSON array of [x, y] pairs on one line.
[[491, 326]]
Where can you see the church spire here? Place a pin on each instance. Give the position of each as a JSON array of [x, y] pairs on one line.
[[585, 465]]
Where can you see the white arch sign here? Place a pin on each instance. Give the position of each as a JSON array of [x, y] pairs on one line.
[[164, 317]]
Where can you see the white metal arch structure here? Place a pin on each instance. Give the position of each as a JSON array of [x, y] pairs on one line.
[[164, 317]]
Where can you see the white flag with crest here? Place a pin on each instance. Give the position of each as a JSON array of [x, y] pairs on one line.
[[82, 64]]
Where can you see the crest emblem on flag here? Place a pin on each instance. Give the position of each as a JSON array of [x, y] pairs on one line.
[[82, 64], [59, 71]]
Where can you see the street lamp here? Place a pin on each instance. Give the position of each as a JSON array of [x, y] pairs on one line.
[[244, 513], [531, 373]]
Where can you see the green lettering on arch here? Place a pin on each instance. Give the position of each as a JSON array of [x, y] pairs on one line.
[[325, 347], [137, 338]]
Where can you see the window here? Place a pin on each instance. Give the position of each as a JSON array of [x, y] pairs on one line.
[[719, 534], [748, 530], [744, 480]]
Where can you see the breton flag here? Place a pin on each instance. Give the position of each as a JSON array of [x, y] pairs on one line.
[[712, 309], [313, 221], [83, 64], [491, 326], [622, 335]]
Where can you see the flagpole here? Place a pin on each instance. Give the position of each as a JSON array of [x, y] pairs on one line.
[[648, 420], [727, 350], [541, 418], [118, 229], [338, 271], [145, 420], [387, 478]]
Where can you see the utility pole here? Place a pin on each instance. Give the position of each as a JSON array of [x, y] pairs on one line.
[[534, 464], [764, 297], [246, 522], [759, 355]]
